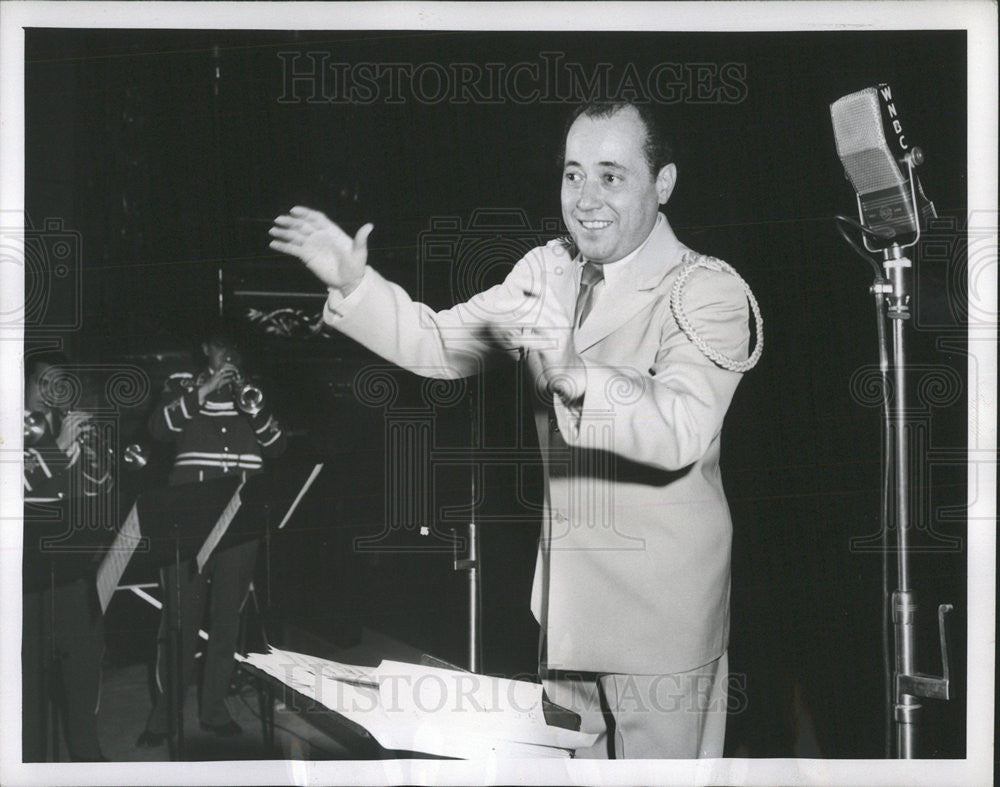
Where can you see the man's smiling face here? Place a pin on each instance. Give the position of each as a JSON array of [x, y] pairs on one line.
[[609, 196]]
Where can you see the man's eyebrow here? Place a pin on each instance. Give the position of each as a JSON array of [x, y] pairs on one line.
[[611, 164]]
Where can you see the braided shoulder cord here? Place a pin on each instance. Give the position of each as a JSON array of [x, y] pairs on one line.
[[693, 261]]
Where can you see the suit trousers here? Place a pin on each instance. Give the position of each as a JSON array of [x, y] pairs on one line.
[[671, 716], [61, 651], [230, 572]]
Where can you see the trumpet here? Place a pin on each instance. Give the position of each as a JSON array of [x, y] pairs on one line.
[[102, 453], [248, 397], [35, 427], [95, 443]]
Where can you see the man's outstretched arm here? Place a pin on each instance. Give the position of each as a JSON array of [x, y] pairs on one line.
[[381, 315]]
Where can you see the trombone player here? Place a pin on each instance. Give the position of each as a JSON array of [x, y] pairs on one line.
[[221, 427]]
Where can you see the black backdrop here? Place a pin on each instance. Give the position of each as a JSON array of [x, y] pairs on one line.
[[170, 151]]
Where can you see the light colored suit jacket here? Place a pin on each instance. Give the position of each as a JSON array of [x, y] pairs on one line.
[[632, 574]]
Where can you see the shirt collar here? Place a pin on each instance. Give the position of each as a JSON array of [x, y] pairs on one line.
[[614, 271]]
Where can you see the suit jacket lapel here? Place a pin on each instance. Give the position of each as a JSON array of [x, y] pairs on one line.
[[619, 303]]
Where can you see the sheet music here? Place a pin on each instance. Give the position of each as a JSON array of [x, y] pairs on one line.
[[459, 702], [116, 560], [411, 707], [305, 488], [220, 528], [281, 660]]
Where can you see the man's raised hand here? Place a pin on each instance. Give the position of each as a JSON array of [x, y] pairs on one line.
[[337, 259]]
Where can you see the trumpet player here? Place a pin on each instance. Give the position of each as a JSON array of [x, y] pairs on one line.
[[221, 427], [63, 628]]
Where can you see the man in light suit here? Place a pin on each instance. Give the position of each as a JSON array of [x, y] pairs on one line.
[[632, 581]]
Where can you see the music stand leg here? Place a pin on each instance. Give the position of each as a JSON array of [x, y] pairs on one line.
[[175, 665], [474, 612], [269, 602], [269, 693], [51, 668], [49, 726], [265, 699]]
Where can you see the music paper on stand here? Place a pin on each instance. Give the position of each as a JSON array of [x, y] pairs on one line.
[[411, 707]]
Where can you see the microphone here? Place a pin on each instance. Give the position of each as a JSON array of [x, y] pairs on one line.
[[871, 144]]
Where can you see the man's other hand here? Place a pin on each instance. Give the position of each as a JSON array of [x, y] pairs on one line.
[[547, 343], [337, 259]]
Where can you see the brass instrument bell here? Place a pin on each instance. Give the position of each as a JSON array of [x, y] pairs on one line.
[[35, 427], [249, 398]]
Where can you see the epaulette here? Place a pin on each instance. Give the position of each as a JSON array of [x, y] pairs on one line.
[[180, 382], [696, 259], [692, 261]]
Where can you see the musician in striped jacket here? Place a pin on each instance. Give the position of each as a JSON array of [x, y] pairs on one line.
[[214, 438], [62, 640]]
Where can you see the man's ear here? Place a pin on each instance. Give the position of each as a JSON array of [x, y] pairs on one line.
[[665, 181]]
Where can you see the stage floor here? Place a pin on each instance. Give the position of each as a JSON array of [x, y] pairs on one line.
[[126, 703]]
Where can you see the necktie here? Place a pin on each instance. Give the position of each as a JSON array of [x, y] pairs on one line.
[[592, 275]]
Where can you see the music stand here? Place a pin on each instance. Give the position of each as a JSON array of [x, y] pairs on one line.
[[173, 524]]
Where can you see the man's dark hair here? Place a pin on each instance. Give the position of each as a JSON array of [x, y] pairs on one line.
[[657, 149], [228, 332], [220, 331]]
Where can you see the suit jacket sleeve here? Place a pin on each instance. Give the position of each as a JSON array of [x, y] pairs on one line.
[[451, 343], [668, 415]]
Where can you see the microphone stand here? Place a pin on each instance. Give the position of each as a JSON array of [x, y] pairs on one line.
[[470, 563], [909, 686]]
